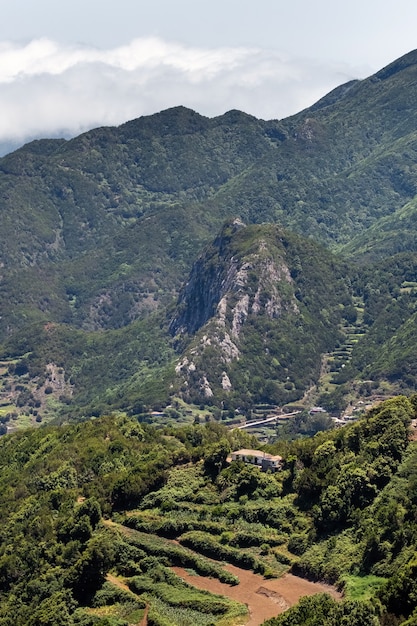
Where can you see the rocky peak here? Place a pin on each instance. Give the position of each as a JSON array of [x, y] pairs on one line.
[[241, 276], [242, 272], [259, 304]]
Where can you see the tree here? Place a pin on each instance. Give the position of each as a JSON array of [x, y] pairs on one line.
[[215, 458], [53, 611], [89, 572]]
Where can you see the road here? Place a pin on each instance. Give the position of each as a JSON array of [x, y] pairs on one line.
[[268, 419]]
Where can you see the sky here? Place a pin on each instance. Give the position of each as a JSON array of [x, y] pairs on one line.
[[69, 66]]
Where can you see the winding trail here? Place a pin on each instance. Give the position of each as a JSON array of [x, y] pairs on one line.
[[114, 580]]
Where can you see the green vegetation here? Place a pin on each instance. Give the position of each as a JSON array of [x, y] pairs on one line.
[[56, 548], [100, 233], [342, 510], [362, 587], [100, 321], [322, 610], [275, 322]]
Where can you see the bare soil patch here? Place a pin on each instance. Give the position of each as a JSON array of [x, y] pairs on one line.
[[114, 580], [264, 598]]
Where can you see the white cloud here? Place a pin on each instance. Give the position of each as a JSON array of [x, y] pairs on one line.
[[47, 88]]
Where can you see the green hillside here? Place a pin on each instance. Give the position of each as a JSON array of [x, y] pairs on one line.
[[89, 511], [161, 284], [109, 239], [265, 317], [99, 230], [259, 310]]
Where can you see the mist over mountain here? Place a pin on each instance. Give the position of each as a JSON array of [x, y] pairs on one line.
[[101, 232]]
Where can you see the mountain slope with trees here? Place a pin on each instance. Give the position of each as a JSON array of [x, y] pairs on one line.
[[251, 325], [110, 221], [178, 261], [100, 233], [260, 308], [88, 513]]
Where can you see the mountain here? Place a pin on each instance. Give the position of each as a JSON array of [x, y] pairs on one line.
[[183, 269], [99, 230], [100, 236], [260, 308]]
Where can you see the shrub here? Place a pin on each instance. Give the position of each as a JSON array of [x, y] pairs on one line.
[[298, 543]]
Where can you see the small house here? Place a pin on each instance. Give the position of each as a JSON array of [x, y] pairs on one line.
[[317, 409], [257, 457]]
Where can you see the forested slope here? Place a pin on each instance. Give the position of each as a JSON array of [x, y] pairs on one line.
[[98, 230], [342, 509], [108, 232]]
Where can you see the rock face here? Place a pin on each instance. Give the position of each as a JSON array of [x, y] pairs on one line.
[[230, 283], [212, 276], [248, 301]]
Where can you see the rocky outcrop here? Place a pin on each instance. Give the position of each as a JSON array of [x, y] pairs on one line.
[[212, 276], [260, 308], [242, 275], [229, 282]]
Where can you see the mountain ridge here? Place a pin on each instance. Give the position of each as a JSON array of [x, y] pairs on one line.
[[100, 231]]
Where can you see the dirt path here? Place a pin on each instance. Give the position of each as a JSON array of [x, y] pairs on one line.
[[144, 621], [117, 582], [264, 598], [121, 585]]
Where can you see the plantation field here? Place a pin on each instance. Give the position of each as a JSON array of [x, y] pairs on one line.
[[218, 537], [99, 517], [231, 594]]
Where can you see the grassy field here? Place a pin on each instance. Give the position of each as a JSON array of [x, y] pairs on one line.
[[362, 587]]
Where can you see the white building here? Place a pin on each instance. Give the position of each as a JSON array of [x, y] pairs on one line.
[[257, 457]]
